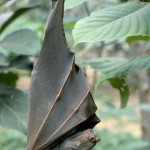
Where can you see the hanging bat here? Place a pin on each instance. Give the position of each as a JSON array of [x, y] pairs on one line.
[[60, 102]]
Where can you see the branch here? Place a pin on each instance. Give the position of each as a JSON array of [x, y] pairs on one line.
[[84, 140]]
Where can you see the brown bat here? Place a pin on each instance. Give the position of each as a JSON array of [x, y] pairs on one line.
[[60, 102]]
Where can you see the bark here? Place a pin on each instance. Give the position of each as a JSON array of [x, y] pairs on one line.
[[85, 140], [144, 95]]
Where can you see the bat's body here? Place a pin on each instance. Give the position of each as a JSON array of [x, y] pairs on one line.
[[60, 100]]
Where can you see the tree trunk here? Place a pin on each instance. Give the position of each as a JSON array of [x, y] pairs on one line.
[[144, 95]]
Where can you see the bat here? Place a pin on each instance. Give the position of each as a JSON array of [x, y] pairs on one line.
[[60, 102]]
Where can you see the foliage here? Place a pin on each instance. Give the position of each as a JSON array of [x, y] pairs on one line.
[[9, 78], [15, 15], [119, 67], [13, 108], [132, 39], [18, 43], [115, 70], [70, 4], [15, 48], [103, 25], [119, 141], [12, 140], [129, 19]]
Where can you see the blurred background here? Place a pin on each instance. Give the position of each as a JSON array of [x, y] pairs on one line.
[[21, 35]]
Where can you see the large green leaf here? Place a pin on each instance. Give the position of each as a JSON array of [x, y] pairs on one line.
[[115, 70], [15, 15], [129, 19], [22, 42], [72, 3], [13, 108], [111, 67]]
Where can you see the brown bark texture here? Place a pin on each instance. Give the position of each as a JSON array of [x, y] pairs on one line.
[[84, 140], [144, 94]]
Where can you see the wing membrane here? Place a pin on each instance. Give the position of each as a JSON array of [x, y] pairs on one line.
[[59, 97]]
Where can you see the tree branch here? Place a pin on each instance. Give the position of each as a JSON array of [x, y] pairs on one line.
[[84, 140]]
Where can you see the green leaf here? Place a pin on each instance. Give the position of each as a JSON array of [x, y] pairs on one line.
[[15, 15], [69, 24], [110, 67], [3, 60], [13, 108], [22, 42], [123, 90], [8, 78], [115, 70], [118, 22], [73, 3], [12, 140], [132, 39]]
